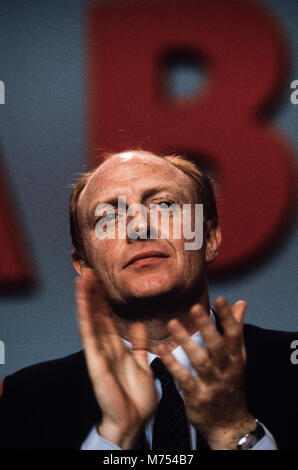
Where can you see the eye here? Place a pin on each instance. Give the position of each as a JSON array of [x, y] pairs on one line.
[[163, 204], [105, 219], [109, 217]]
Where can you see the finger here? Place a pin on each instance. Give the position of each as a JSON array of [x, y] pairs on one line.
[[93, 307], [238, 310], [232, 328], [94, 360], [186, 381], [224, 312], [213, 340], [139, 340], [83, 312], [198, 357]]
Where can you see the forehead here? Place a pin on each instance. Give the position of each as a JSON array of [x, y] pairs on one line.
[[129, 172]]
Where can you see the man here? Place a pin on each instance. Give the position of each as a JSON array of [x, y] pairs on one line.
[[145, 296]]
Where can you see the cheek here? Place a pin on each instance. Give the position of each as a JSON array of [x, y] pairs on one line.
[[191, 262], [100, 256]]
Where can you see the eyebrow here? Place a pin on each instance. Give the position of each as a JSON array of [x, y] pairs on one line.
[[113, 201], [91, 214]]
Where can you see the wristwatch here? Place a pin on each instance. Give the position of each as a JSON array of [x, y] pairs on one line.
[[249, 440]]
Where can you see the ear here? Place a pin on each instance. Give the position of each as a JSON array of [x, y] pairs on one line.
[[213, 242], [79, 262]]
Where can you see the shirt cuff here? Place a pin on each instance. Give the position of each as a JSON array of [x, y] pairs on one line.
[[267, 442], [95, 442]]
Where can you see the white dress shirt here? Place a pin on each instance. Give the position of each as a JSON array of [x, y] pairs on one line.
[[95, 442]]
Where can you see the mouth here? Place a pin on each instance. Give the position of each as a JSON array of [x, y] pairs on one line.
[[148, 256]]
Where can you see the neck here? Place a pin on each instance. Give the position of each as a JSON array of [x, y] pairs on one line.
[[156, 312]]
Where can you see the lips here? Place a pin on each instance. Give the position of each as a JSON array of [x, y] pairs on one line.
[[144, 255]]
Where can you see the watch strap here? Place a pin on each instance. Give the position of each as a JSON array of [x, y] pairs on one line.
[[249, 440]]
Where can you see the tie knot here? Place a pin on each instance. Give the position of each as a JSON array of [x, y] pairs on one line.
[[160, 371]]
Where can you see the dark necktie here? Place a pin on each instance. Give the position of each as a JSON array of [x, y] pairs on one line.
[[171, 429]]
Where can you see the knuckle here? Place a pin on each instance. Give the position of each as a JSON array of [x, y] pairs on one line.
[[184, 378], [234, 332], [232, 374], [200, 362], [205, 397], [190, 386], [218, 345]]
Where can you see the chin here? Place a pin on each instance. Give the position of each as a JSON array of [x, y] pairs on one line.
[[144, 288]]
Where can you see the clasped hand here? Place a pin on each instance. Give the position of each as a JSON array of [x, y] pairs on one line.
[[123, 381]]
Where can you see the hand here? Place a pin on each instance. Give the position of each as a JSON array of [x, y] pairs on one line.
[[214, 398], [122, 380]]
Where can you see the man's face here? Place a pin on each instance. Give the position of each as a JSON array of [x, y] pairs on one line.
[[162, 265]]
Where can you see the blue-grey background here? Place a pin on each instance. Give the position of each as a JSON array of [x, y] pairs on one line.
[[43, 143]]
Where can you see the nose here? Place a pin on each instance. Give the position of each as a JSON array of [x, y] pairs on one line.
[[138, 226]]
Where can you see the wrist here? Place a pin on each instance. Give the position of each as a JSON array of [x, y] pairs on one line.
[[227, 437], [123, 438]]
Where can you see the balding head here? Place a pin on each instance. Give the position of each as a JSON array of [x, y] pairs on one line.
[[142, 178]]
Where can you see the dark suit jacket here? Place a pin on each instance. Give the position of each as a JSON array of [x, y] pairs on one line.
[[52, 406]]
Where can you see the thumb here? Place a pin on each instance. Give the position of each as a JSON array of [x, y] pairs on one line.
[[140, 344]]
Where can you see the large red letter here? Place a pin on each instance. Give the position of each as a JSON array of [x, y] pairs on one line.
[[245, 60], [16, 271]]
